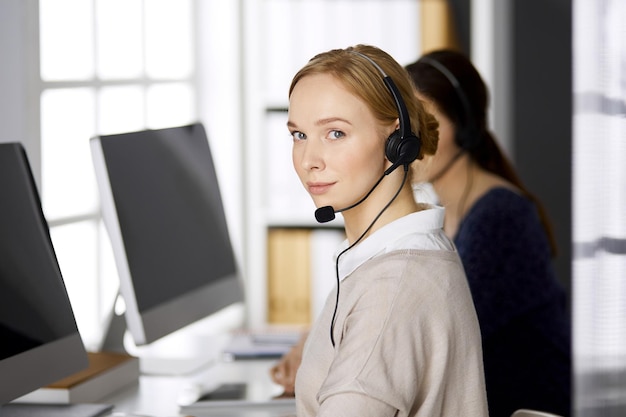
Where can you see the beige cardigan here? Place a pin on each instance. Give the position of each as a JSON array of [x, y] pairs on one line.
[[407, 343]]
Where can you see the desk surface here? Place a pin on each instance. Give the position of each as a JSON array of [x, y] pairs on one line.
[[159, 396]]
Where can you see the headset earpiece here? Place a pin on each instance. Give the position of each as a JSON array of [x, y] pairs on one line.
[[468, 137], [402, 150]]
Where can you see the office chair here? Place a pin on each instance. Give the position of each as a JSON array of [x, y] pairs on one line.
[[532, 413]]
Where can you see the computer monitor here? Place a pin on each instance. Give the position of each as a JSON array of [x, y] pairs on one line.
[[162, 207], [39, 339]]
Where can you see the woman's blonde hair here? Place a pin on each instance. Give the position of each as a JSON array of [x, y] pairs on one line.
[[363, 79]]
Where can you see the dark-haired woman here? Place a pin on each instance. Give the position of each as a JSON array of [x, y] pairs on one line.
[[504, 240]]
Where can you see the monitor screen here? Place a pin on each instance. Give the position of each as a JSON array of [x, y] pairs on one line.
[[39, 339], [162, 207]]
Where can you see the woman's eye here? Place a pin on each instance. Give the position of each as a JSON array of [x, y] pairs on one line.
[[296, 135], [336, 134]]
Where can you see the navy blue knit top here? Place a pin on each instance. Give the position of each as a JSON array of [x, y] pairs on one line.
[[521, 306]]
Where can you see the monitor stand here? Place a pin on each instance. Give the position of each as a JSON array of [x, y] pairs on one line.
[[187, 350], [114, 336]]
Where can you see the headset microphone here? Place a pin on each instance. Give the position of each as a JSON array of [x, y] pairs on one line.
[[324, 214]]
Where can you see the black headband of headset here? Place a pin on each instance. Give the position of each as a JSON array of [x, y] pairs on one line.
[[403, 112]]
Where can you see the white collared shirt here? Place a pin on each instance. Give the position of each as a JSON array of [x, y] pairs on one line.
[[420, 230]]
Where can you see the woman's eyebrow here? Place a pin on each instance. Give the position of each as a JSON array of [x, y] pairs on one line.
[[328, 120], [323, 121]]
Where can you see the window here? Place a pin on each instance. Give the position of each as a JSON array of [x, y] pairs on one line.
[[109, 66], [599, 222]]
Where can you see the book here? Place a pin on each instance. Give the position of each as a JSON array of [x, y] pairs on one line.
[[107, 373], [301, 272], [270, 343], [288, 276]]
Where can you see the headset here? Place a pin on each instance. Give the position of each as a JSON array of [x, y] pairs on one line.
[[402, 146], [468, 133]]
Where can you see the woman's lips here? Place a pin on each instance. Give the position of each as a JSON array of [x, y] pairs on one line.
[[318, 188]]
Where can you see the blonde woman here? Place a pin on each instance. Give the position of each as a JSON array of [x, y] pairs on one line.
[[398, 336]]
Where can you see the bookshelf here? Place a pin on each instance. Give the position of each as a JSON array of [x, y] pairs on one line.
[[287, 253]]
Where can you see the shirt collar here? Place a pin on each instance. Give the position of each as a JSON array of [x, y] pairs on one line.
[[413, 231]]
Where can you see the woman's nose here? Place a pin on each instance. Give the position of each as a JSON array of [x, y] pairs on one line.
[[312, 156]]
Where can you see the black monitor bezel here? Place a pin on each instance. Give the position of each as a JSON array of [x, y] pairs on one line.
[[165, 318], [53, 360]]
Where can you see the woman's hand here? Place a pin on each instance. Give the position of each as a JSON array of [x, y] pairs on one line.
[[284, 372]]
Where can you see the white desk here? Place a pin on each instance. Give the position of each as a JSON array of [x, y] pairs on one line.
[[158, 396]]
